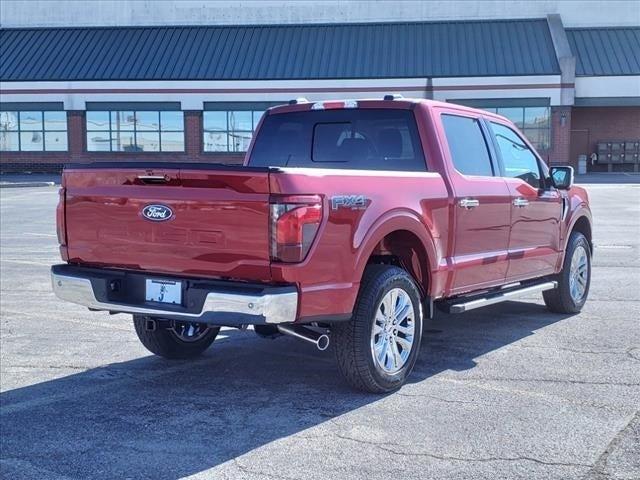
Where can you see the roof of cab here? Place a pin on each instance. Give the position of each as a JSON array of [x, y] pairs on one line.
[[300, 105]]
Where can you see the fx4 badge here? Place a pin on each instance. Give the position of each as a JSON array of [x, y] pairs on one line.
[[354, 202]]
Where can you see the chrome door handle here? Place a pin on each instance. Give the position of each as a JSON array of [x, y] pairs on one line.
[[469, 203], [153, 178], [520, 202]]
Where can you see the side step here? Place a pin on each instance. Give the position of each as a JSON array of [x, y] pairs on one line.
[[491, 298]]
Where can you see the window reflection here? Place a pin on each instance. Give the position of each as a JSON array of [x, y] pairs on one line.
[[33, 131], [535, 123], [229, 130], [135, 131]]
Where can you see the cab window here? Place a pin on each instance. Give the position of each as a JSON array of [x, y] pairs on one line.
[[468, 149], [518, 159], [358, 138]]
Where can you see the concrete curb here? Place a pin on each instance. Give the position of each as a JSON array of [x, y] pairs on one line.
[[26, 184]]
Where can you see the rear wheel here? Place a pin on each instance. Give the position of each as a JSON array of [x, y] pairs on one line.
[[377, 349], [574, 279], [174, 339]]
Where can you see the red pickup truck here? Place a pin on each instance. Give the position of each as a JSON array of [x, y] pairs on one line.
[[348, 223]]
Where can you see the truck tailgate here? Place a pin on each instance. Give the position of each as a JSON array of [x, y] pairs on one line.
[[216, 225]]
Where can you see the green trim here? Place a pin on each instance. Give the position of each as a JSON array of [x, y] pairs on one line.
[[138, 106], [607, 102], [502, 102], [31, 106], [240, 106]]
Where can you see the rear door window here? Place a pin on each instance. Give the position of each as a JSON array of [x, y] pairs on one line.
[[469, 151], [364, 139]]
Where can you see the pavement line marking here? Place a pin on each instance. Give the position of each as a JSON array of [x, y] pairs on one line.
[[600, 467], [40, 234], [107, 385], [26, 262]]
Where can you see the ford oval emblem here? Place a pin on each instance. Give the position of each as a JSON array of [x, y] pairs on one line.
[[157, 213]]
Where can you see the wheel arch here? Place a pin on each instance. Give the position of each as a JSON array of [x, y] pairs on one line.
[[400, 238], [582, 224]]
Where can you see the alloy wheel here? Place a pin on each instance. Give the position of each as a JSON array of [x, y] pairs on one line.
[[189, 331], [578, 274], [393, 331]]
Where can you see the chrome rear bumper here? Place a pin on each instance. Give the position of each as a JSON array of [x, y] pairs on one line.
[[271, 305]]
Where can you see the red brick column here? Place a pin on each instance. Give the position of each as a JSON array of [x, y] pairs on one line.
[[193, 133], [77, 136], [560, 136]]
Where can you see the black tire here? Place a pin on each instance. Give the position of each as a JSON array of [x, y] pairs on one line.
[[353, 341], [166, 343], [559, 300]]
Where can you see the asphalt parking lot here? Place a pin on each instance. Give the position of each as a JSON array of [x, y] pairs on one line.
[[510, 391]]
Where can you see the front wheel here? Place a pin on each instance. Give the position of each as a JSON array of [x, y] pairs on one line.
[[574, 279], [174, 340], [377, 349]]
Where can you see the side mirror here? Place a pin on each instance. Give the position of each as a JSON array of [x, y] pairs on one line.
[[561, 177]]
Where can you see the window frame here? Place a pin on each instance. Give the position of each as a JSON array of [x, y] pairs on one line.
[[485, 132], [542, 170], [492, 105], [314, 133], [135, 108], [228, 107], [42, 109], [524, 127], [414, 130]]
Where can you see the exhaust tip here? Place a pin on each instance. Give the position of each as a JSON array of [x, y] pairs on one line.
[[323, 342]]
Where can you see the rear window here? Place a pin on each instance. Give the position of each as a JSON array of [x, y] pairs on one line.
[[364, 139]]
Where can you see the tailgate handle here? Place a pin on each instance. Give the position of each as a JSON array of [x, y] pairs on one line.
[[153, 179]]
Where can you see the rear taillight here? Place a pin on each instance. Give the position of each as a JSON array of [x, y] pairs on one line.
[[295, 221], [61, 227]]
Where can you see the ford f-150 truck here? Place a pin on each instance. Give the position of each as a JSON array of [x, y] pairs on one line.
[[348, 223]]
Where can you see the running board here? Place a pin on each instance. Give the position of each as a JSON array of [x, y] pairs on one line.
[[490, 299]]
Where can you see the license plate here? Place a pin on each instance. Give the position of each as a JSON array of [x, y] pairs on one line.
[[163, 291]]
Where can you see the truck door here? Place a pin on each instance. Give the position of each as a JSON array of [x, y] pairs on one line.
[[536, 211], [482, 209]]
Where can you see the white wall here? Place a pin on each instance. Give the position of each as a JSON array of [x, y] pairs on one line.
[[41, 13], [192, 94], [623, 86]]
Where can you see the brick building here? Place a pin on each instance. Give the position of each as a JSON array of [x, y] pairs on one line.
[[100, 92]]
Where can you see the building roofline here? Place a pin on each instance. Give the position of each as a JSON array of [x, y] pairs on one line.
[[276, 25], [575, 29]]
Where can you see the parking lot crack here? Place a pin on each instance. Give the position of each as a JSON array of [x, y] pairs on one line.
[[397, 449], [634, 353], [553, 380], [247, 470], [576, 350], [52, 367], [438, 399]]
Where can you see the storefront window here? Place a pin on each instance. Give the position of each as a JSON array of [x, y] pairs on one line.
[[230, 130], [33, 131], [135, 131], [535, 123]]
